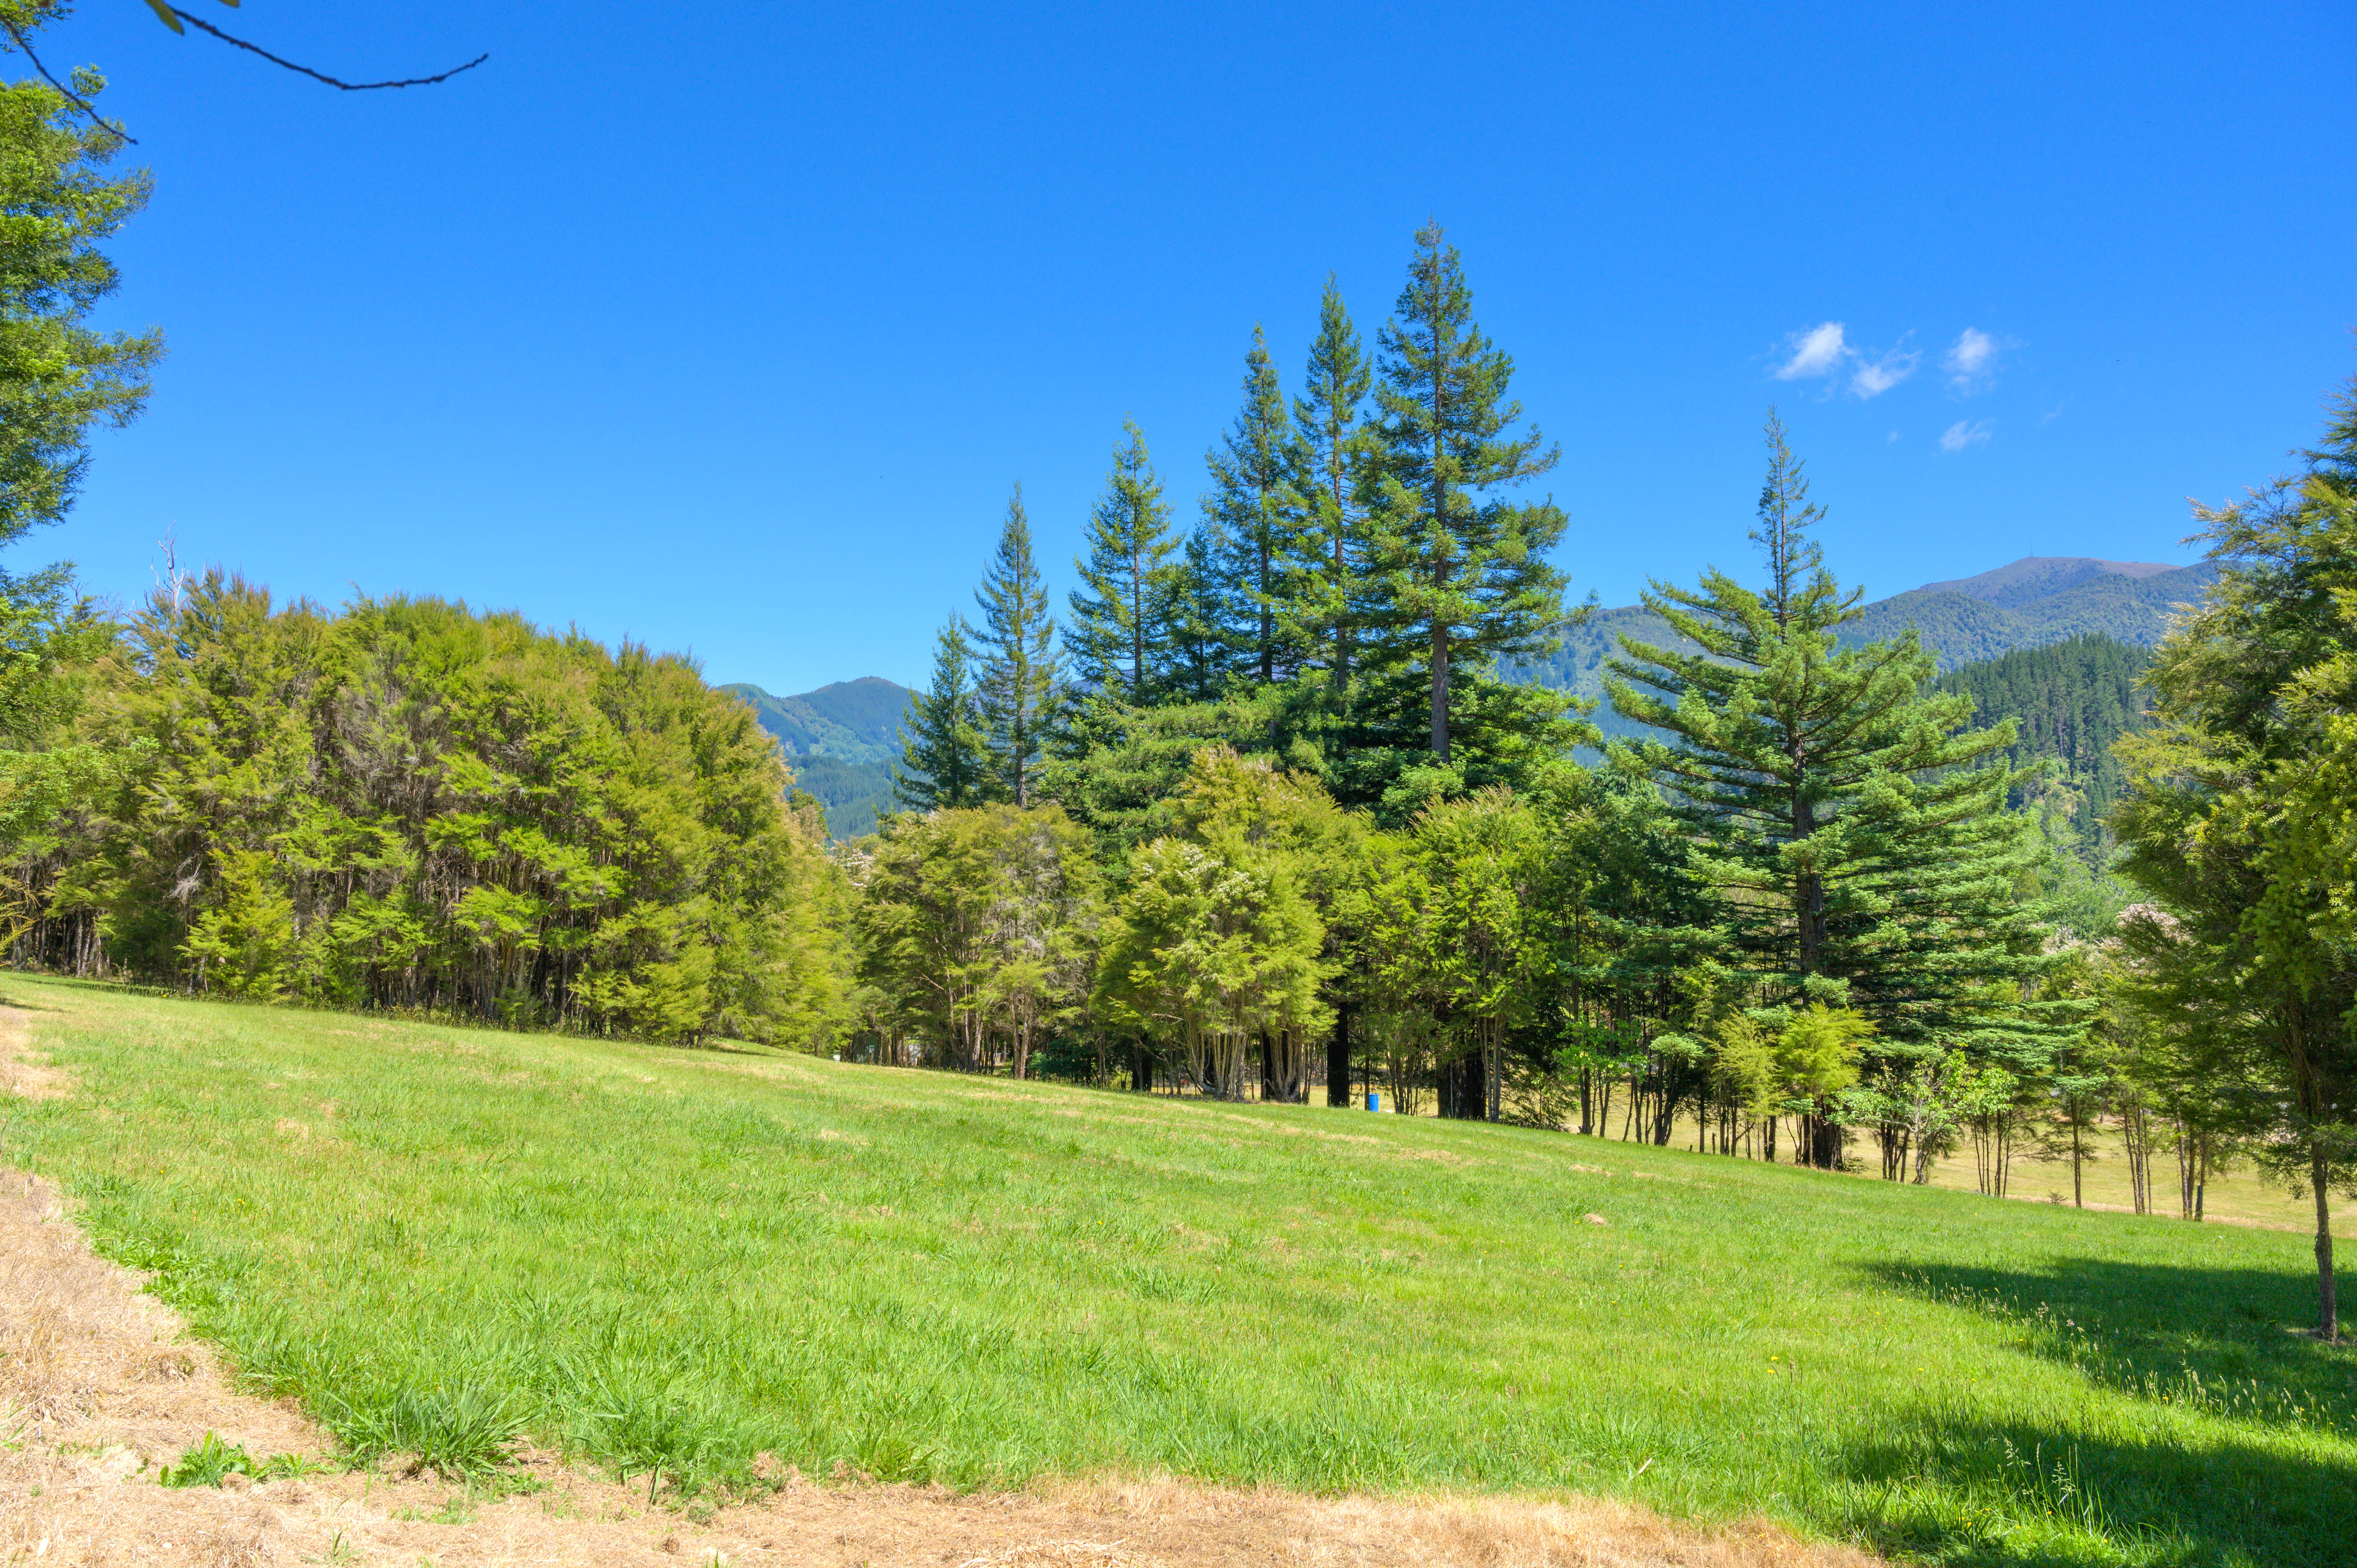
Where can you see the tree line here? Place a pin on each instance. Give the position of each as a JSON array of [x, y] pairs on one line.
[[1827, 916]]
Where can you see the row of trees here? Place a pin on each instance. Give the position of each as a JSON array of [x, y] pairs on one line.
[[1361, 568], [408, 805], [1826, 905], [1302, 806]]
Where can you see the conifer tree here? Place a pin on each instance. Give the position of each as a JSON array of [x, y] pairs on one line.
[[1120, 636], [945, 760], [1334, 448], [1198, 641], [1019, 677], [1464, 571], [1862, 852], [57, 376], [1257, 522]]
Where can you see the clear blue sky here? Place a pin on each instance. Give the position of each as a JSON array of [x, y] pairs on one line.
[[727, 327]]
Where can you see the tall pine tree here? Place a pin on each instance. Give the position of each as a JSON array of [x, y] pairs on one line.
[[1120, 636], [1019, 676], [1861, 849], [1257, 522], [1464, 573], [944, 757], [1199, 631], [1334, 451]]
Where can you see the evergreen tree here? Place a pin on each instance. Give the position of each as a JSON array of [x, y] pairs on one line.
[[1333, 448], [945, 759], [1018, 681], [1263, 567], [1198, 640], [57, 377], [1862, 855], [1464, 573], [1122, 634]]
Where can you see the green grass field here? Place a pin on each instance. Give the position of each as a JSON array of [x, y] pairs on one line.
[[668, 1261]]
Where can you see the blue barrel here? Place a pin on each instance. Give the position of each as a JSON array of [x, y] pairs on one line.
[[1375, 1100]]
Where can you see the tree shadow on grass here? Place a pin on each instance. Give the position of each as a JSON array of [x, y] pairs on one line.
[[2272, 1480], [2233, 1341], [1982, 1492]]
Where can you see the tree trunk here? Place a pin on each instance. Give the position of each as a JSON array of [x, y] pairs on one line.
[[1140, 1068], [2328, 1313], [1464, 1094], [1337, 1058]]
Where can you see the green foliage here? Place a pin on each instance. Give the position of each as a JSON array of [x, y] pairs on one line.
[[1018, 681], [1334, 450], [1121, 768], [2237, 825], [1121, 630], [2070, 702], [57, 376], [209, 1461], [409, 805], [1216, 944], [978, 927], [1816, 1055], [945, 758], [1851, 822], [1263, 556], [1462, 575]]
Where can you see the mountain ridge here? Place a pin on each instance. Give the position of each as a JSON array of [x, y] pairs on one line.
[[2029, 603], [840, 739]]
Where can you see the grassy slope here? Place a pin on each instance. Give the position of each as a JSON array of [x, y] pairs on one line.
[[682, 1258]]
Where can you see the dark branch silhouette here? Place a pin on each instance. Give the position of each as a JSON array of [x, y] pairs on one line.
[[173, 16], [203, 26], [112, 127]]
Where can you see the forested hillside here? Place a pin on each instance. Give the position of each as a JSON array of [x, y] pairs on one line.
[[1982, 618], [2072, 699], [841, 740]]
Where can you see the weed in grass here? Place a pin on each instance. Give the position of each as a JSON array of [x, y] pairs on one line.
[[341, 1550], [207, 1463], [454, 1433]]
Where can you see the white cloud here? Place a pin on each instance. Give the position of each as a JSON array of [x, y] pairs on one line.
[[1874, 377], [1970, 359], [1965, 433], [1816, 352]]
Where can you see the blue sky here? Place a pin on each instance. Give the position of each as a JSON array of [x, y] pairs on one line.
[[727, 327]]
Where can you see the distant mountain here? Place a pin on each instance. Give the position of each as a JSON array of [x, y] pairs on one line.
[[841, 740], [2040, 577], [2035, 601]]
